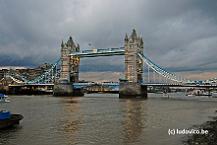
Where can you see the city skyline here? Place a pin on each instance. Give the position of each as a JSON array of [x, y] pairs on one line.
[[181, 37]]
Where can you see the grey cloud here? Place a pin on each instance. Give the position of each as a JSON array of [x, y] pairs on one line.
[[178, 34]]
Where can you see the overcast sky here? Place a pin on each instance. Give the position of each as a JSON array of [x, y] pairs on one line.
[[178, 34]]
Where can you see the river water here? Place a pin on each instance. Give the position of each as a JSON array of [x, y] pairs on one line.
[[100, 119]]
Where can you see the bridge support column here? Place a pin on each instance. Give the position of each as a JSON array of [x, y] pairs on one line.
[[63, 89], [132, 90], [131, 87], [66, 89], [69, 70]]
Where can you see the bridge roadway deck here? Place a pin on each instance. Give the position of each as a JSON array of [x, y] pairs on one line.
[[184, 85], [115, 84], [20, 85]]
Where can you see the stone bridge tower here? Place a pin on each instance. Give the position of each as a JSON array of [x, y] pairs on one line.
[[133, 64], [131, 86], [69, 64], [69, 70]]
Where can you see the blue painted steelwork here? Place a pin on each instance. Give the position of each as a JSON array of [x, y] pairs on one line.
[[100, 52], [46, 78]]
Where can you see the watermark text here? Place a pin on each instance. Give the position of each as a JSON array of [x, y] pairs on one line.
[[187, 131]]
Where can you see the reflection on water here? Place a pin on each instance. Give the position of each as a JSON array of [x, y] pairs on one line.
[[72, 124], [104, 119], [134, 120]]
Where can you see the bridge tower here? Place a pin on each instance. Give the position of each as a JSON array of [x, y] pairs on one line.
[[132, 85], [133, 64], [69, 64], [69, 69]]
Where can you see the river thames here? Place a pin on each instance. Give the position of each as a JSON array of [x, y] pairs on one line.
[[100, 119]]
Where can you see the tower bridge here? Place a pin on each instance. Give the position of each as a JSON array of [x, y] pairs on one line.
[[140, 71]]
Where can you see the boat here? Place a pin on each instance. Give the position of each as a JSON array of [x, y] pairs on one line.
[[4, 98], [198, 93], [6, 118], [214, 94]]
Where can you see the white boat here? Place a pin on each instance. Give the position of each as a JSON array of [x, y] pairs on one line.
[[4, 98], [214, 94], [198, 93]]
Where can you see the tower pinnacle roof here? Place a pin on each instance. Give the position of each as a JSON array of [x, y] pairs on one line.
[[62, 44], [70, 42], [141, 41], [134, 35], [126, 38]]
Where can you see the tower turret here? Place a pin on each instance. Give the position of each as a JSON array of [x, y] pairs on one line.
[[78, 48], [62, 44], [133, 35], [70, 42], [141, 41], [126, 39]]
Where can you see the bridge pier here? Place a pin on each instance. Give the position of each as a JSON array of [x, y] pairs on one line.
[[132, 90], [66, 89], [131, 87], [62, 89]]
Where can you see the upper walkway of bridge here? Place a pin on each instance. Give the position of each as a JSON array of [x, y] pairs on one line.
[[100, 52]]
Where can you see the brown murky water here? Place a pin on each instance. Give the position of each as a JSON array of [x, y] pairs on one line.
[[104, 119]]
